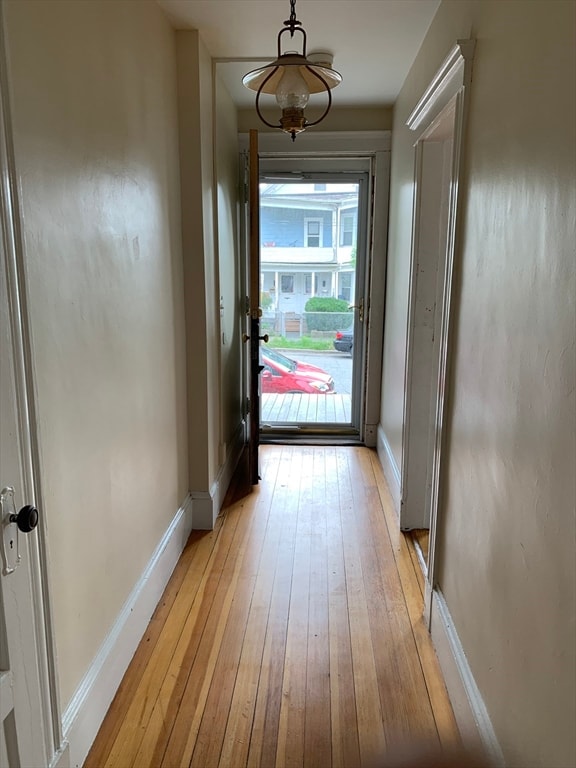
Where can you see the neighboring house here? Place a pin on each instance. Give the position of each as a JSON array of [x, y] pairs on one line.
[[126, 174], [307, 238]]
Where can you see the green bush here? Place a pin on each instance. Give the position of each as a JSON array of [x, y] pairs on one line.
[[327, 314]]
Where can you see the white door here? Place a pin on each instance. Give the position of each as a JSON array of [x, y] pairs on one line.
[[21, 735], [29, 725]]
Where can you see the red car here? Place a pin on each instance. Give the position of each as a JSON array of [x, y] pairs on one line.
[[281, 375]]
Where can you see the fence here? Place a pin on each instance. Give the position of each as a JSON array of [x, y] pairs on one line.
[[295, 325]]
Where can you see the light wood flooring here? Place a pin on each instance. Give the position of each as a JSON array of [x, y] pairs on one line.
[[291, 635], [305, 409]]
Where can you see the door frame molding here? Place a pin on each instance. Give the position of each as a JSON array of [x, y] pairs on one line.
[[13, 245], [448, 89], [374, 147]]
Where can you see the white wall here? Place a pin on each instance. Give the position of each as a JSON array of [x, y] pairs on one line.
[[506, 527], [95, 131]]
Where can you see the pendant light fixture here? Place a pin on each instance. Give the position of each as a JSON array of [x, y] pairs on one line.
[[292, 78]]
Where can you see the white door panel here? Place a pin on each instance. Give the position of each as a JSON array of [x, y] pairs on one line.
[[21, 735]]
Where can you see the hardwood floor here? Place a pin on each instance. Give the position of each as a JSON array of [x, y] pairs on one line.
[[291, 635]]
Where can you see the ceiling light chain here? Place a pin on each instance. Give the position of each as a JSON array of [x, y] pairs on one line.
[[292, 22], [292, 77]]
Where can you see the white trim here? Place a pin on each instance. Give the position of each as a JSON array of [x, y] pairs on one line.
[[375, 290], [389, 467], [470, 711], [204, 508], [220, 487], [6, 697], [62, 758], [448, 91], [206, 504], [87, 709], [451, 76], [320, 143]]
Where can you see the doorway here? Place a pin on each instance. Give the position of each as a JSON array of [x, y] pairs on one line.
[[314, 228], [440, 120]]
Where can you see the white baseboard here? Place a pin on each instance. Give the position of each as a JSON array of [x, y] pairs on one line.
[[467, 702], [206, 505], [87, 709], [390, 468]]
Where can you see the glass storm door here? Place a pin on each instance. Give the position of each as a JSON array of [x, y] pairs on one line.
[[312, 288]]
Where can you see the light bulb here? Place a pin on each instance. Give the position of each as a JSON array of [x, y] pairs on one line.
[[292, 91]]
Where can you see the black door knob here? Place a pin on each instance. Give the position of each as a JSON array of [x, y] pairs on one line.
[[26, 519]]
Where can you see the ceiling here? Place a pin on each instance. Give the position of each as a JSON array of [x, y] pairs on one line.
[[374, 42]]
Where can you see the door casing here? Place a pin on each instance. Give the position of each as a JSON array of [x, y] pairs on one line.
[[369, 150], [439, 117]]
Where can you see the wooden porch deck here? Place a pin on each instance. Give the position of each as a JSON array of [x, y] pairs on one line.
[[307, 409]]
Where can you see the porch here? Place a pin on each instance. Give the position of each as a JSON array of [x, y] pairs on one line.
[[306, 409]]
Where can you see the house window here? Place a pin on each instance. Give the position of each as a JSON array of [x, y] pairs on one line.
[[347, 229], [313, 233], [345, 286], [308, 284], [287, 283]]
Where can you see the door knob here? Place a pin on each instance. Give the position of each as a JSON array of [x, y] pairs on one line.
[[26, 519], [10, 523]]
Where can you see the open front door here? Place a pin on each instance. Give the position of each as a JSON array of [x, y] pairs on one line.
[[254, 306]]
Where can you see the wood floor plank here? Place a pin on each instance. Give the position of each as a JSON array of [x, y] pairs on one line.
[[290, 747], [345, 746], [291, 635], [197, 627], [317, 720], [371, 738], [197, 702], [146, 650], [209, 741], [150, 683], [443, 714], [238, 732], [264, 737], [411, 718]]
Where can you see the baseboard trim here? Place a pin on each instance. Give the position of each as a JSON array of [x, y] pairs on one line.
[[390, 468], [89, 705], [469, 709], [206, 505], [234, 451]]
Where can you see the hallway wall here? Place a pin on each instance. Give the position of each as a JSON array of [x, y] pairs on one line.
[[506, 524], [95, 131]]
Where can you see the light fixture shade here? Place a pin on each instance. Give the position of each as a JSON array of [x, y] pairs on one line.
[[311, 73], [292, 78]]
